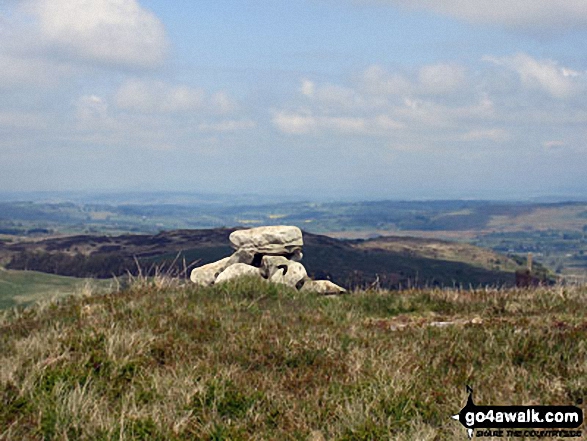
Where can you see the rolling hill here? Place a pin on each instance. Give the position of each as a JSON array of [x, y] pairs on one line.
[[390, 262], [19, 288]]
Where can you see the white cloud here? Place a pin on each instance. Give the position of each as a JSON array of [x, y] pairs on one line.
[[427, 113], [118, 32], [536, 15], [23, 61], [547, 75], [158, 97], [228, 126], [441, 79], [376, 81], [443, 106], [96, 122], [222, 103], [433, 79], [308, 88], [296, 123], [386, 123], [338, 97], [496, 135], [23, 120], [335, 98], [344, 124], [569, 72], [25, 71], [151, 96], [554, 144], [91, 108], [384, 104]]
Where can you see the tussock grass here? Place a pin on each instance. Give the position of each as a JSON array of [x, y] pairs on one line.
[[162, 360]]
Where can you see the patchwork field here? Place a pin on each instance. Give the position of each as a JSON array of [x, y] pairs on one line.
[[554, 232]]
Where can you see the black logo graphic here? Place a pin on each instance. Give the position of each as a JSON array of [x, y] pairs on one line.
[[520, 417]]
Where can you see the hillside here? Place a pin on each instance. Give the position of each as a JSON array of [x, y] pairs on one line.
[[251, 360], [19, 288], [442, 250], [554, 232], [391, 262]]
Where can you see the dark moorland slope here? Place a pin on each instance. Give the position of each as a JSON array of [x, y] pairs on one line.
[[390, 262]]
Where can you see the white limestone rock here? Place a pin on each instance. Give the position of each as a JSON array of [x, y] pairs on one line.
[[205, 275], [325, 287], [271, 264], [296, 256], [268, 240], [293, 274], [237, 270], [277, 249], [241, 256]]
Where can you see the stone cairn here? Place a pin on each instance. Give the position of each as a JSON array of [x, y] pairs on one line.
[[272, 253]]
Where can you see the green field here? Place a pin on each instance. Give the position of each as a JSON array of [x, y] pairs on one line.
[[19, 288], [162, 360]]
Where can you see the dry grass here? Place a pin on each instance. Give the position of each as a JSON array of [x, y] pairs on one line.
[[251, 360]]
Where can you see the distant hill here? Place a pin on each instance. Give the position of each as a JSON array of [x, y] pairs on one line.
[[390, 262], [555, 233], [442, 250]]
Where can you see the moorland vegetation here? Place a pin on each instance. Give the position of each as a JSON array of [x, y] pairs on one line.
[[161, 359]]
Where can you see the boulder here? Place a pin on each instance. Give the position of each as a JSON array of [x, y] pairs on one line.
[[241, 256], [293, 274], [205, 275], [237, 270], [275, 240], [325, 287], [297, 255], [271, 264]]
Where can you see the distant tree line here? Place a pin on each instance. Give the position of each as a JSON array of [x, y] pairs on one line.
[[15, 231]]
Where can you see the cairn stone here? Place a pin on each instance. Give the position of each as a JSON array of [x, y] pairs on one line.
[[237, 270], [272, 253], [271, 264], [206, 275], [294, 275], [325, 287], [242, 256], [275, 240], [296, 256]]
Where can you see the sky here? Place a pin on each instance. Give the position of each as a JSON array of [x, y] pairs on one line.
[[345, 99]]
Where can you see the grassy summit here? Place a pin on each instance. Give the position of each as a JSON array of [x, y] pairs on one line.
[[251, 360]]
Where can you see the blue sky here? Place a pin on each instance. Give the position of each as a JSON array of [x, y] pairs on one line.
[[317, 98]]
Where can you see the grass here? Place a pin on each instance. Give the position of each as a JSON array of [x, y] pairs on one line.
[[250, 360], [19, 288]]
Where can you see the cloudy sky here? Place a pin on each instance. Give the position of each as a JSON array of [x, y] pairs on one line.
[[318, 98]]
